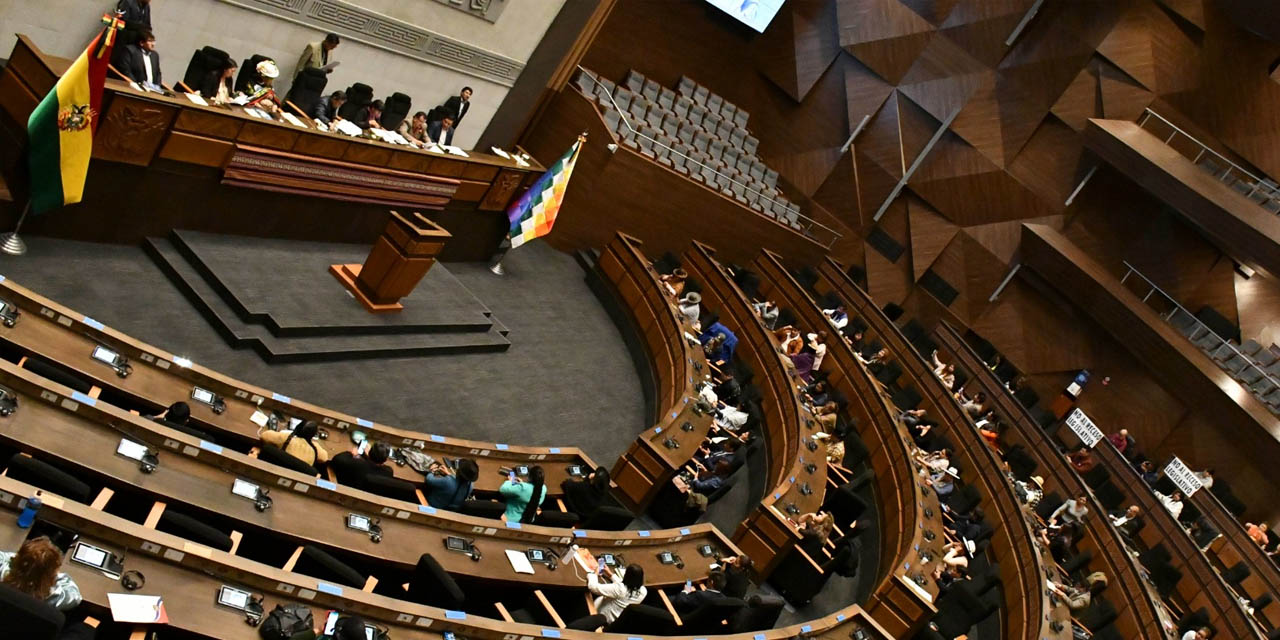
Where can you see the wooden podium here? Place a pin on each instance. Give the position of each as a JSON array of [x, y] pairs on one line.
[[400, 257]]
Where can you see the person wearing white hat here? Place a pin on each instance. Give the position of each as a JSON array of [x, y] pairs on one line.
[[691, 306], [264, 95]]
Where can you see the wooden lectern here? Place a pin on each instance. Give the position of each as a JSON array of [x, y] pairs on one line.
[[400, 257]]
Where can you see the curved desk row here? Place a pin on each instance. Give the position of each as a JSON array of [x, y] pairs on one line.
[[157, 378], [678, 368], [796, 474], [76, 432], [1140, 613], [188, 577], [910, 517], [1024, 566]]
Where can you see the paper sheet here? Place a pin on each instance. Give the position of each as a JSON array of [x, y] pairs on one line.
[[585, 560], [259, 418], [195, 97], [520, 161], [345, 127], [457, 151], [499, 152], [293, 120], [137, 608], [519, 561]]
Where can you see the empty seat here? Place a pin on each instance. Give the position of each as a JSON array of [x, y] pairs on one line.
[[687, 132], [644, 619], [612, 120], [651, 90], [653, 117], [394, 110], [737, 136], [671, 127], [390, 487], [724, 131], [740, 118], [681, 107], [701, 141], [307, 89], [47, 370], [46, 476], [771, 178], [730, 158], [608, 518], [318, 564], [634, 81], [359, 95], [696, 113], [757, 170], [666, 98], [715, 149], [433, 586], [622, 99], [711, 122], [639, 107], [184, 526], [28, 618], [645, 141], [700, 94], [750, 144], [661, 147], [686, 86], [728, 109], [585, 81], [680, 156], [714, 102]]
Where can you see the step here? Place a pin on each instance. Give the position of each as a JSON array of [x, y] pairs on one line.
[[276, 349]]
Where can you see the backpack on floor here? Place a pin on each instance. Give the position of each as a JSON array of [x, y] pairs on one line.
[[288, 622]]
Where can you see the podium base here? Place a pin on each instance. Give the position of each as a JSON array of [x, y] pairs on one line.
[[348, 275]]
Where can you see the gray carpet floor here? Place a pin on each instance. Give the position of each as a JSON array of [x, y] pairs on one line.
[[567, 379]]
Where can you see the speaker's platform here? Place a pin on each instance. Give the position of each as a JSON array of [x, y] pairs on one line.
[[278, 298]]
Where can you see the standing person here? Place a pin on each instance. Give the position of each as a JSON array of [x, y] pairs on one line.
[[447, 489], [524, 498], [614, 593], [135, 13], [1070, 511], [316, 54], [691, 307], [141, 63], [33, 570], [456, 109]]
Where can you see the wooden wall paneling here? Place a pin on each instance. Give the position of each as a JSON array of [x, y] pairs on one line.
[[915, 128], [944, 77], [930, 234], [1052, 163], [885, 35], [798, 46], [1196, 441], [1081, 99], [1122, 97], [968, 189], [1256, 301], [981, 27]]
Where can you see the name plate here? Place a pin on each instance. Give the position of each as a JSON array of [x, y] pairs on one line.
[[1084, 428]]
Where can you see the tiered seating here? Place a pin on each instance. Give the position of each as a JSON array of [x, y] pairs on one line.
[[1253, 366], [1263, 192], [1188, 587], [695, 132]]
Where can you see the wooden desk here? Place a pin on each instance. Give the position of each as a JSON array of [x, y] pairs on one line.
[[187, 576], [313, 185], [195, 478], [1234, 546], [1140, 612], [769, 532], [160, 378], [1028, 612], [678, 368]]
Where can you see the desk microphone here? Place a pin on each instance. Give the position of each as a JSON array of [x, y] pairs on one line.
[[262, 501]]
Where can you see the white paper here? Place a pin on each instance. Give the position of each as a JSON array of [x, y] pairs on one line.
[[433, 148], [520, 161], [345, 127], [135, 86], [457, 151], [293, 120], [134, 608], [195, 97], [519, 561], [499, 152], [259, 418], [252, 113], [331, 66], [240, 99]]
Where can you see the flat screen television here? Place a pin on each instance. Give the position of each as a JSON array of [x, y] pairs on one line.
[[756, 14]]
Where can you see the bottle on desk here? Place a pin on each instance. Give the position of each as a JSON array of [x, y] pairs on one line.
[[28, 515]]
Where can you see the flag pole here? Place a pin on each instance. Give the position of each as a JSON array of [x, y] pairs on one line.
[[496, 266], [13, 244]]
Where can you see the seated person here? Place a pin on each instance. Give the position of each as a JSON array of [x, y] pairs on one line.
[[943, 482], [690, 307], [708, 480], [726, 387], [263, 87], [1082, 460], [1172, 502], [1127, 521], [1074, 510], [415, 130], [827, 416], [767, 311], [723, 353], [1148, 472], [352, 468], [298, 443], [524, 497], [816, 394], [586, 495], [1121, 440], [217, 86], [368, 117], [1078, 596], [838, 316], [729, 450], [141, 63], [33, 570], [614, 593], [967, 525], [348, 627], [737, 574], [448, 489], [956, 556], [945, 372], [936, 461], [973, 406], [730, 417], [176, 415], [878, 358], [441, 131], [1257, 532], [815, 529], [326, 110], [692, 598], [674, 282]]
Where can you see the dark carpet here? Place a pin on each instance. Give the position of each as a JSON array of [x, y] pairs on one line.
[[566, 380]]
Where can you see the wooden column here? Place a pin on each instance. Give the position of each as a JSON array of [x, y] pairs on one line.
[[400, 257]]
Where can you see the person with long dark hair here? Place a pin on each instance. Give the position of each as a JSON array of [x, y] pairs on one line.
[[448, 489], [524, 497], [586, 495], [614, 593], [298, 443]]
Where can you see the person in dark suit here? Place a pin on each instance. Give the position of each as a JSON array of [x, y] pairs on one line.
[[456, 107], [737, 576], [326, 110], [141, 63], [352, 469], [369, 117], [441, 131], [585, 496], [135, 13], [218, 85], [691, 598]]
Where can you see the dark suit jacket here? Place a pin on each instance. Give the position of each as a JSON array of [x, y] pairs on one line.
[[134, 67], [134, 13], [324, 111], [209, 88], [686, 602], [433, 131], [352, 470], [451, 107]]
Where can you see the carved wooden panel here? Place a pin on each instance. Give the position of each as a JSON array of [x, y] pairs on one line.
[[503, 189], [267, 136], [132, 130], [208, 123]]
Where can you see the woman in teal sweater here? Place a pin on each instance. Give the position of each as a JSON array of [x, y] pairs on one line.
[[521, 507]]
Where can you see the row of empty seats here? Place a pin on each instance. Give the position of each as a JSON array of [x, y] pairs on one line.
[[1264, 192], [706, 142]]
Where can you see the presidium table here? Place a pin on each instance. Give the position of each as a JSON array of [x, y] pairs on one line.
[[163, 162]]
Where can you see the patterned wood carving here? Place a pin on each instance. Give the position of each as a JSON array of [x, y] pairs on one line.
[[501, 192], [132, 131]]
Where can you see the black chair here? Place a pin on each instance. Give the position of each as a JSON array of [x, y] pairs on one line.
[[1166, 579], [559, 519], [1021, 462], [184, 526], [906, 398], [888, 374], [958, 611], [46, 476], [1098, 614], [1156, 555], [724, 488], [433, 586], [28, 618], [1111, 497], [643, 619], [760, 614], [1076, 563], [1236, 573], [275, 455], [189, 430], [608, 518], [390, 487], [322, 566], [308, 89], [1197, 619], [1049, 503], [1096, 476], [48, 370], [844, 504], [1027, 397], [484, 508], [394, 110], [893, 312], [249, 72], [204, 62], [964, 499], [707, 617], [359, 95]]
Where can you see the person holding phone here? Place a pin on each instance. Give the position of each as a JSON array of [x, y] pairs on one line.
[[614, 593], [448, 489], [524, 498], [344, 628]]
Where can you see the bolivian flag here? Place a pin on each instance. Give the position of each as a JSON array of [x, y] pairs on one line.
[[533, 214], [60, 130]]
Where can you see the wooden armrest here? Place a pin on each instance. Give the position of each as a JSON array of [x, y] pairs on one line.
[[22, 361], [591, 603], [100, 502], [333, 476], [560, 503], [135, 412], [92, 621], [112, 68], [153, 518], [546, 604], [502, 611], [138, 634], [236, 537], [370, 584], [182, 85], [305, 118], [422, 500], [293, 559], [662, 595], [816, 567], [94, 392]]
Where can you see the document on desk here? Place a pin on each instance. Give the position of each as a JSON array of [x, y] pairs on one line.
[[195, 97], [433, 148], [293, 120], [345, 127], [259, 418], [127, 607], [519, 562], [457, 151], [500, 153]]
